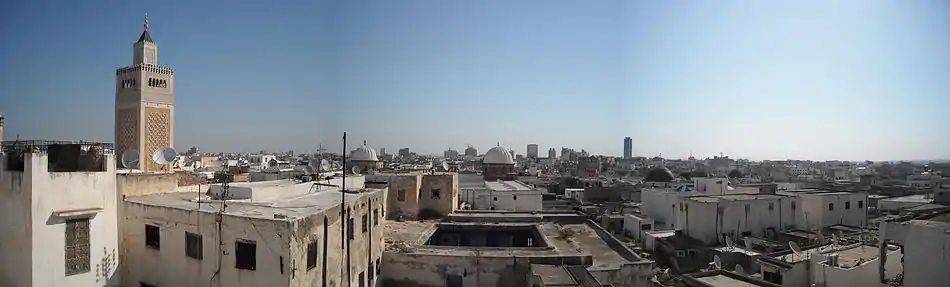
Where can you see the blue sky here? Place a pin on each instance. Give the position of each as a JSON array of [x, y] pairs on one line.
[[758, 79]]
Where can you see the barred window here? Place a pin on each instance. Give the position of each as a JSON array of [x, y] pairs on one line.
[[77, 246]]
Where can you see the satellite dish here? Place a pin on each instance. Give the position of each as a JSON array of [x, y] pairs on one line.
[[356, 170], [794, 247], [740, 270], [272, 163], [717, 262], [748, 242], [130, 159], [324, 165], [164, 155], [308, 170], [445, 166], [729, 242]]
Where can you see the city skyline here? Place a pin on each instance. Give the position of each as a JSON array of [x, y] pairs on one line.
[[848, 81]]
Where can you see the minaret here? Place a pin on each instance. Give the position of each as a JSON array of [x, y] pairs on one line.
[[1, 130], [144, 103]]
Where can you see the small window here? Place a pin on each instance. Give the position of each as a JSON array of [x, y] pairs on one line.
[[365, 223], [436, 193], [77, 246], [312, 254], [153, 237], [831, 206], [771, 206], [860, 203], [143, 284], [495, 199], [646, 227], [514, 197], [847, 205], [362, 279], [193, 248], [245, 255], [349, 229], [401, 195], [376, 217], [793, 205]]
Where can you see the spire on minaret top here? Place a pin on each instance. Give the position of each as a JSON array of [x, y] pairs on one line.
[[145, 36], [364, 142]]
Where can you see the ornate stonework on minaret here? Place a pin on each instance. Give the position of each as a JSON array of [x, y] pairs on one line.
[[144, 104]]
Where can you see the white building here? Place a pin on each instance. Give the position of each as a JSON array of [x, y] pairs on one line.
[[925, 246], [713, 218], [277, 233], [49, 192], [661, 204], [831, 266], [636, 226], [821, 208], [924, 180], [503, 195], [575, 194]]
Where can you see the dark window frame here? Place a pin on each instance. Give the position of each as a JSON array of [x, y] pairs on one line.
[[245, 255], [153, 236], [194, 246]]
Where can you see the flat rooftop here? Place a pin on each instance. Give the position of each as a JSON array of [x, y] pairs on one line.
[[848, 256], [720, 280], [562, 239], [507, 186], [917, 198], [733, 197], [810, 192], [273, 200]]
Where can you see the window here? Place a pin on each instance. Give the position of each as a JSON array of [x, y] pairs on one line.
[[245, 255], [771, 206], [495, 199], [153, 237], [362, 279], [376, 216], [143, 284], [77, 246], [401, 195], [436, 193], [193, 245], [646, 227], [831, 206], [847, 205], [365, 223], [514, 197], [860, 203], [349, 229], [312, 254], [793, 205]]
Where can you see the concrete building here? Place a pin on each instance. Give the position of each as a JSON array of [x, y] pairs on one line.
[[508, 195], [364, 159], [532, 151], [1, 130], [279, 233], [821, 208], [495, 249], [589, 167], [923, 240], [831, 265], [713, 218], [627, 148], [420, 195], [552, 153], [55, 190], [144, 104], [498, 164]]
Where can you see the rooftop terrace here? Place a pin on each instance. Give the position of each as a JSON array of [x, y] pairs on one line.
[[274, 200]]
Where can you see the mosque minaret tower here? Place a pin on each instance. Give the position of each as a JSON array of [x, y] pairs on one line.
[[144, 104]]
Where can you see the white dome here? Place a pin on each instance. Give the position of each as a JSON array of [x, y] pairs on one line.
[[364, 154], [498, 155]]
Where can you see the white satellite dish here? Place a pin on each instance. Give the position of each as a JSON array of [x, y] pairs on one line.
[[717, 262], [130, 159], [729, 242], [794, 247], [445, 166], [747, 241], [272, 163], [164, 155], [740, 270], [324, 165], [356, 170]]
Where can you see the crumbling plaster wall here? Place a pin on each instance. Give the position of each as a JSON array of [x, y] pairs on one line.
[[425, 270]]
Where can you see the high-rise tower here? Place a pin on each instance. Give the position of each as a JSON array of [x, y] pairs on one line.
[[627, 148], [144, 103]]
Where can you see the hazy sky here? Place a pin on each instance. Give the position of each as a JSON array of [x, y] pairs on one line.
[[807, 79]]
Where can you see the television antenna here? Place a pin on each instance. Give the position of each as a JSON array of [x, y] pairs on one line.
[[130, 159]]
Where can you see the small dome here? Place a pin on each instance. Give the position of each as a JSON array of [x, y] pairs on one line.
[[661, 174], [364, 153], [498, 155]]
